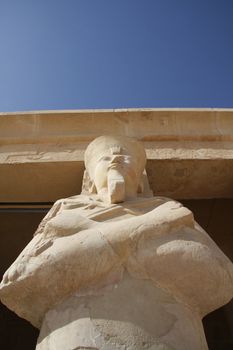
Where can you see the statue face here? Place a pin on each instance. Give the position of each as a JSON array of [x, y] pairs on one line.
[[115, 166], [115, 178]]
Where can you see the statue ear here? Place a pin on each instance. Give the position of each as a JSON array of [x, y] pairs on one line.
[[92, 188], [88, 186], [144, 187], [141, 185]]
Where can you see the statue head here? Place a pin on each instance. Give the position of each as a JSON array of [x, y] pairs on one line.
[[114, 167]]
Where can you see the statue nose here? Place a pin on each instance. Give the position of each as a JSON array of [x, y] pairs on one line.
[[116, 159]]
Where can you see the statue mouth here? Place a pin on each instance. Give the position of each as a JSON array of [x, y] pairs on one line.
[[115, 165]]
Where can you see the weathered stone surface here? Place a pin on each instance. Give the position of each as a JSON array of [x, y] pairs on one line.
[[134, 314], [118, 271]]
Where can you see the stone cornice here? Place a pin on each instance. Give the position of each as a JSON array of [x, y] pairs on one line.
[[189, 151], [144, 124]]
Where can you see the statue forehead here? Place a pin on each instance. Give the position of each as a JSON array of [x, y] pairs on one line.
[[114, 145], [116, 149]]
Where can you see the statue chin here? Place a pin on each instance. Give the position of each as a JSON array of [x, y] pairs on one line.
[[116, 187], [116, 191]]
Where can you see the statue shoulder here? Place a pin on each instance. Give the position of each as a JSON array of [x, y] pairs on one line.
[[74, 202], [168, 210]]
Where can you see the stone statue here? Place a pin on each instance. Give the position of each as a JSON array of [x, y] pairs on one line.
[[115, 267]]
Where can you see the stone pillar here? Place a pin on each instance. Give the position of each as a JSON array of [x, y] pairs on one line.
[[134, 315]]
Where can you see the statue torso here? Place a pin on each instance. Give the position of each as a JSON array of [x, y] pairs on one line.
[[83, 241]]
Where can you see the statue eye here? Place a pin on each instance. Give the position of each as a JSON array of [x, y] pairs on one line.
[[127, 159], [106, 158]]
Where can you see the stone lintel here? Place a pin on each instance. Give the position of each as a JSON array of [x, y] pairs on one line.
[[189, 151]]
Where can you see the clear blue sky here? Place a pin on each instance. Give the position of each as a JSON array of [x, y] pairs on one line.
[[76, 54]]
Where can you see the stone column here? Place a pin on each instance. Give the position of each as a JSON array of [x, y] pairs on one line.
[[134, 315]]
